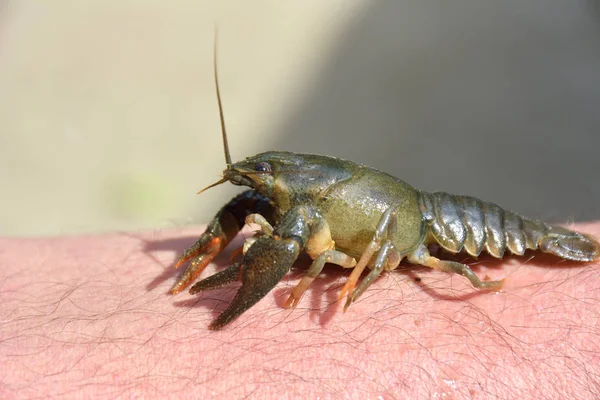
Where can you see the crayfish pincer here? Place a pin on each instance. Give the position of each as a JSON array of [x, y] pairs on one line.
[[343, 213]]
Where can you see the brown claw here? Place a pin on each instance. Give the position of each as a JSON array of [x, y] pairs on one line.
[[192, 272], [201, 254], [200, 247], [182, 260]]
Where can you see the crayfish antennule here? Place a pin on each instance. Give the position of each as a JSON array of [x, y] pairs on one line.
[[222, 180]]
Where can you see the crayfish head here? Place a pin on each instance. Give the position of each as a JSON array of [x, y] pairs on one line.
[[288, 178], [255, 172], [243, 176], [258, 173]]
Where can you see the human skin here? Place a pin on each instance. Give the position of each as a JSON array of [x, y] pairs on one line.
[[89, 316]]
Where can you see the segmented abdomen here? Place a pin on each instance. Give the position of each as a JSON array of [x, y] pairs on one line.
[[463, 222]]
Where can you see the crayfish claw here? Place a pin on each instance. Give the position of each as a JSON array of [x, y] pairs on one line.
[[201, 254], [220, 231], [218, 280], [191, 273], [265, 263], [245, 298]]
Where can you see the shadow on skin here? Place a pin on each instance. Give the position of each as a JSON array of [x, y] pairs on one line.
[[216, 300], [177, 246], [149, 247]]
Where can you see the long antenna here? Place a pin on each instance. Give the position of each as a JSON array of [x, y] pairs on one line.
[[223, 131]]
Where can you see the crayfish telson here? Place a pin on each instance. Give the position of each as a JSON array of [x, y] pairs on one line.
[[338, 211]]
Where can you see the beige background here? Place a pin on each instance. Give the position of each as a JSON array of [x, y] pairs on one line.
[[108, 117]]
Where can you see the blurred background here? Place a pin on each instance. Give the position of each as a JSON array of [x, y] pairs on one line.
[[108, 115]]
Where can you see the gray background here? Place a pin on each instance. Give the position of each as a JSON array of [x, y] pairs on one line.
[[108, 117]]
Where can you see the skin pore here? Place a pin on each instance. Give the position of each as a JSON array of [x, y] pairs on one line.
[[90, 316]]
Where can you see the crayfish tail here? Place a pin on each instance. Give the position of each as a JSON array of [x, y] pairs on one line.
[[466, 223], [569, 245]]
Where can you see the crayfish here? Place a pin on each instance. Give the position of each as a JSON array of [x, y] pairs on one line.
[[348, 214]]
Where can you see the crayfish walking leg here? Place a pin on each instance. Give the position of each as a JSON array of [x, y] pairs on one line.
[[388, 257], [328, 256], [421, 257]]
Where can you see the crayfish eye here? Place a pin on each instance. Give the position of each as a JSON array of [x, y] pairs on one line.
[[263, 166]]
